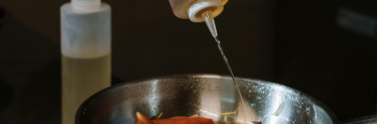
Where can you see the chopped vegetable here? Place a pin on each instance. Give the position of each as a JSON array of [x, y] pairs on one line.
[[257, 122], [159, 115], [142, 119], [227, 113], [178, 117], [190, 120]]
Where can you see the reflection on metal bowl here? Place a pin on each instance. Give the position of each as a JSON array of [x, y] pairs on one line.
[[204, 94]]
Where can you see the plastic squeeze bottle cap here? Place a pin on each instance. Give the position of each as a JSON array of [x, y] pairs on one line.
[[199, 11], [201, 6], [192, 9]]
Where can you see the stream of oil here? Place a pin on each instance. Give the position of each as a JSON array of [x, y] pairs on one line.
[[231, 72]]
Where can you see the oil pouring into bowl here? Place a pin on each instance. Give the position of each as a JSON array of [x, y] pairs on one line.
[[86, 51], [206, 10], [203, 11]]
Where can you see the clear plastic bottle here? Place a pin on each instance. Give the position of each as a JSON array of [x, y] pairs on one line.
[[86, 56]]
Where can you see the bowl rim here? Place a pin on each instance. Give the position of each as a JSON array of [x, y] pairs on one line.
[[126, 83]]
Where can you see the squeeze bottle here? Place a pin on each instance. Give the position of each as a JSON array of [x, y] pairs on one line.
[[86, 56], [199, 11]]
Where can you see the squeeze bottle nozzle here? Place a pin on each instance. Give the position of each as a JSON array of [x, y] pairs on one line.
[[193, 9], [210, 22], [199, 11]]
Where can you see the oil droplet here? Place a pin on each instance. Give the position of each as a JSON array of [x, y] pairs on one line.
[[252, 104]]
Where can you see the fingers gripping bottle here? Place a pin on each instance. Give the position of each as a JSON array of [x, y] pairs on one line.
[[86, 56], [199, 11]]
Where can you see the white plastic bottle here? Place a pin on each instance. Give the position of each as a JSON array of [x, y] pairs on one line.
[[86, 56], [199, 11]]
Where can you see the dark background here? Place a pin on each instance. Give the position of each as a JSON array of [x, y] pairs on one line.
[[334, 65], [295, 43]]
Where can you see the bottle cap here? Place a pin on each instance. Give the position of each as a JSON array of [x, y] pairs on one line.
[[198, 7]]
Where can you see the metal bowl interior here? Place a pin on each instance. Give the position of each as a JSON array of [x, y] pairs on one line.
[[206, 95]]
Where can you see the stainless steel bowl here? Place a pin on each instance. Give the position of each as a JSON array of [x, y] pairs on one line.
[[204, 94]]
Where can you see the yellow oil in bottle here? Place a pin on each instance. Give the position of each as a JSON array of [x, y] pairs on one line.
[[81, 78]]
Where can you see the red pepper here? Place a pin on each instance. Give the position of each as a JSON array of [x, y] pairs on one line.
[[257, 122], [190, 120], [142, 119]]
